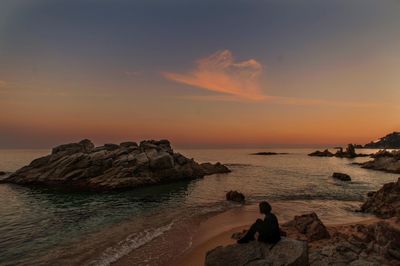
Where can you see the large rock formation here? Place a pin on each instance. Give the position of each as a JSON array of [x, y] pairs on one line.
[[309, 225], [84, 166], [390, 141], [287, 252], [384, 161], [384, 203]]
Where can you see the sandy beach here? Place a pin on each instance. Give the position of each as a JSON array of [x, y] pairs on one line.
[[218, 230]]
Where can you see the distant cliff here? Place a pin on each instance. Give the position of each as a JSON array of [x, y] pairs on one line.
[[391, 141]]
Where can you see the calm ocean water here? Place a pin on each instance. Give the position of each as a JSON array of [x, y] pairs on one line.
[[41, 226]]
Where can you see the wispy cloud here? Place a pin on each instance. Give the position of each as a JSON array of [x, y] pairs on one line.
[[240, 81], [220, 72]]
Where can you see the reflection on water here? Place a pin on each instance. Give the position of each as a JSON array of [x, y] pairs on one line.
[[98, 228]]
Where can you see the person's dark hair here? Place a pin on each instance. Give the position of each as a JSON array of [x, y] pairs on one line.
[[265, 208]]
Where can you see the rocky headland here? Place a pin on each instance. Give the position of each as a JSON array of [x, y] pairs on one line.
[[127, 165], [390, 141]]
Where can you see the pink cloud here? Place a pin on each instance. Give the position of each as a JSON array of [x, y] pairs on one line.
[[220, 73]]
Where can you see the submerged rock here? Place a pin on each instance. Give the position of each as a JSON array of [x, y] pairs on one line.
[[384, 203], [309, 225], [341, 176], [266, 153], [235, 196], [287, 252], [84, 166]]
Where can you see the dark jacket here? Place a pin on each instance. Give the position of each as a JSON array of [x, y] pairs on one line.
[[269, 231]]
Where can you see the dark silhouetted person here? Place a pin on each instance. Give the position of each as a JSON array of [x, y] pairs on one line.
[[268, 230]]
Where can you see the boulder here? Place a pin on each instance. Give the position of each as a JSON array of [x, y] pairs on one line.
[[341, 176], [325, 153], [71, 148], [162, 161], [128, 144], [286, 252], [82, 166], [309, 225], [235, 196], [384, 203]]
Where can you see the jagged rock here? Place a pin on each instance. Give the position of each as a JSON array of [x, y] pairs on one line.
[[235, 196], [385, 202], [309, 225], [390, 141], [350, 152], [216, 168], [2, 173], [325, 153], [287, 252], [341, 176], [81, 165]]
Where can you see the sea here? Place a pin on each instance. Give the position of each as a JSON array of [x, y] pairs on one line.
[[155, 225]]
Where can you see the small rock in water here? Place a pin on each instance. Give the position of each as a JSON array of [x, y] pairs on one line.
[[341, 176], [235, 196]]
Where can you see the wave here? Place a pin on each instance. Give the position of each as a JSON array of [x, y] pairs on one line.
[[124, 247]]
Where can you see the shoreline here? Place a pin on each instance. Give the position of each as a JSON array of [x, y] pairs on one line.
[[217, 231]]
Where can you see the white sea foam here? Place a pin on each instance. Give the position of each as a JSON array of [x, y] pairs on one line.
[[132, 242]]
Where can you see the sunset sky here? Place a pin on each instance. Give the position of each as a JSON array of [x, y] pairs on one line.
[[199, 73]]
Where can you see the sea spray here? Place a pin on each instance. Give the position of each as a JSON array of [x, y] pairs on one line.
[[132, 242]]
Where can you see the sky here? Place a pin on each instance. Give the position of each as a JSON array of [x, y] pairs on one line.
[[220, 73]]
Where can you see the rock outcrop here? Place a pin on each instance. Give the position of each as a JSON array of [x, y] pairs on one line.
[[325, 153], [349, 152], [359, 245], [384, 203], [341, 176], [309, 225], [384, 161], [287, 252], [216, 168], [390, 141], [84, 166], [235, 196]]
